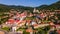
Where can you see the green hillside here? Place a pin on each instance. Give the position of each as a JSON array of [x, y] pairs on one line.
[[5, 8], [54, 6]]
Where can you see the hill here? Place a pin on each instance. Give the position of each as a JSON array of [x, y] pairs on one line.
[[52, 6], [6, 8]]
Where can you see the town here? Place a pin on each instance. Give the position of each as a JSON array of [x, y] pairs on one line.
[[29, 16], [26, 22]]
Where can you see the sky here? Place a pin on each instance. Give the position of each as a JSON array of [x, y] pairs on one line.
[[30, 3]]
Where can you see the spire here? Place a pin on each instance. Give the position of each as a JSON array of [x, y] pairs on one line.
[[34, 10]]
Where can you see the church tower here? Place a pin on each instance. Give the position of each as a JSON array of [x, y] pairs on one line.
[[34, 10]]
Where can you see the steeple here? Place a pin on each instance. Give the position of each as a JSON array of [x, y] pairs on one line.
[[34, 10]]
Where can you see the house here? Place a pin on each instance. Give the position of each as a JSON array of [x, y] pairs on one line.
[[14, 29], [20, 32], [57, 26], [29, 30], [21, 23], [40, 25], [28, 22], [1, 32], [10, 21]]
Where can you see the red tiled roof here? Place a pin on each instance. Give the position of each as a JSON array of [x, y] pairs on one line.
[[21, 21], [28, 21], [29, 30], [35, 24], [58, 31], [1, 32], [17, 20], [57, 25], [22, 14], [11, 21], [51, 23]]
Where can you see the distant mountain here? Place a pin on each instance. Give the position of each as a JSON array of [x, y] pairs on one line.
[[52, 6], [42, 7], [5, 8], [55, 5]]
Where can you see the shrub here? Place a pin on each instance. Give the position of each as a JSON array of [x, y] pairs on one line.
[[6, 28]]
